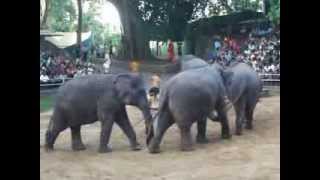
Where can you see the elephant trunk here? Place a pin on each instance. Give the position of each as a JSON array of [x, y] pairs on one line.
[[143, 105]]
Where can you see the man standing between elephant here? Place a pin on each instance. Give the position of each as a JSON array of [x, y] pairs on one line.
[[155, 89]]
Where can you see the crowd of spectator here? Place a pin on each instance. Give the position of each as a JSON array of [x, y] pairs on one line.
[[53, 69], [262, 53]]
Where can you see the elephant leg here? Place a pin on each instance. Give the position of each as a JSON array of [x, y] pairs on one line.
[[125, 125], [249, 115], [77, 144], [56, 125], [186, 139], [51, 136], [225, 130], [162, 123], [202, 126], [240, 109], [106, 128]]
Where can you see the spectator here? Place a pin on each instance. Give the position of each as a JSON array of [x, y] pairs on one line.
[[171, 51], [155, 89], [262, 53], [110, 50]]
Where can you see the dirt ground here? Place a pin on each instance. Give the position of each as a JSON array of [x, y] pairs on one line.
[[253, 156]]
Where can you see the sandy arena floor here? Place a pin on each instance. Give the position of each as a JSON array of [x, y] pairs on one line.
[[253, 156]]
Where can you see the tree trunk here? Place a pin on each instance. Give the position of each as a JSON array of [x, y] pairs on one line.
[[179, 48], [45, 15], [135, 42], [79, 30], [157, 44], [266, 6]]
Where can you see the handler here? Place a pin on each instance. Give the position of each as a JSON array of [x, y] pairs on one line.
[[154, 90]]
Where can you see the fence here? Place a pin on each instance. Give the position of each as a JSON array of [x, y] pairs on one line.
[[269, 81]]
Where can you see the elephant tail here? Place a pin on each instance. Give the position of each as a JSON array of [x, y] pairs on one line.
[[164, 100]]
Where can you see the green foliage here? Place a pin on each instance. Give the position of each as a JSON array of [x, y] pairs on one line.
[[216, 24], [62, 16], [274, 11], [46, 103], [101, 32], [241, 5], [168, 18], [89, 23], [216, 8], [224, 7]]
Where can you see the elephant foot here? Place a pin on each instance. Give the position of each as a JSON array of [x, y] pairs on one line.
[[153, 150], [238, 132], [186, 148], [249, 126], [202, 140], [105, 149], [78, 147], [48, 148], [226, 136], [136, 147]]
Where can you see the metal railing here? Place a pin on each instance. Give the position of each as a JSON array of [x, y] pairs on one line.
[[268, 80]]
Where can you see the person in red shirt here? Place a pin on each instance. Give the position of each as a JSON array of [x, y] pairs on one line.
[[171, 51]]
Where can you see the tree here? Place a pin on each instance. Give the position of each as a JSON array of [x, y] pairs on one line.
[[224, 7], [143, 20], [273, 11], [89, 23], [79, 30], [47, 5], [62, 16]]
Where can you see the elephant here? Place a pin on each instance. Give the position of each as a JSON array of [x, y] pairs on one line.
[[188, 62], [191, 62], [92, 98], [243, 90], [205, 91]]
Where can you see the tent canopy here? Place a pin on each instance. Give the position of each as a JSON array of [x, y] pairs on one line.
[[46, 33], [67, 39]]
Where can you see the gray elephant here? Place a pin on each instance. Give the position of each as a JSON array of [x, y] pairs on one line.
[[92, 98], [243, 90], [186, 98], [188, 62]]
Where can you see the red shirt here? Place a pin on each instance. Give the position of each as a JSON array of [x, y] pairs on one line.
[[171, 51]]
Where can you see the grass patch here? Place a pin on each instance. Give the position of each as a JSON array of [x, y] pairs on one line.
[[46, 103]]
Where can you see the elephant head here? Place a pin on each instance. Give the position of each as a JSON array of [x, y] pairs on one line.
[[130, 90]]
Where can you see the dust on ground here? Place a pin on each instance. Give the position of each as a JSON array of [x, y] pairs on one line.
[[253, 156]]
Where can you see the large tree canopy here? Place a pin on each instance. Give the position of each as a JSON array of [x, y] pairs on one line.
[[144, 20], [274, 11], [224, 7], [62, 16]]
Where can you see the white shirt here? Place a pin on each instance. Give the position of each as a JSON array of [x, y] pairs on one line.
[[106, 65], [273, 68], [217, 44], [44, 78]]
